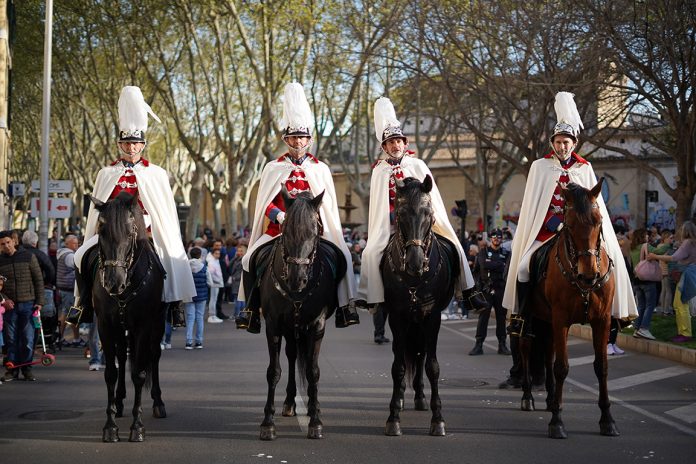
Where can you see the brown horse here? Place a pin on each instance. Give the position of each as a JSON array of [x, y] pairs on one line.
[[577, 287]]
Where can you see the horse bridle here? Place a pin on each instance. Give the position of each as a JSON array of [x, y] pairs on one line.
[[126, 264], [402, 244], [584, 286]]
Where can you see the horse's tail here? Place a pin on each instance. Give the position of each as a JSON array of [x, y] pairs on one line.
[[415, 344], [303, 354]]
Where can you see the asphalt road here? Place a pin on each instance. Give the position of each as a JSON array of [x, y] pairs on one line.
[[215, 398]]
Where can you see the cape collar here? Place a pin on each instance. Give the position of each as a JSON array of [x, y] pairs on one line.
[[308, 156], [144, 162], [575, 156]]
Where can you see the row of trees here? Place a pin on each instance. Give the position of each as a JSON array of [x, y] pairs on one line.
[[214, 70]]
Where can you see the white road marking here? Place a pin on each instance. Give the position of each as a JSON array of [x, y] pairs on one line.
[[686, 413], [301, 413], [646, 377]]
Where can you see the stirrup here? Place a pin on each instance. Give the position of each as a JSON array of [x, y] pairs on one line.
[[243, 319], [74, 315], [516, 327]]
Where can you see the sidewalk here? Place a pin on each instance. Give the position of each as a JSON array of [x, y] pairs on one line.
[[652, 347]]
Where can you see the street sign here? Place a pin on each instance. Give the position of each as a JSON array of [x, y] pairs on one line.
[[58, 208], [17, 189], [54, 186]]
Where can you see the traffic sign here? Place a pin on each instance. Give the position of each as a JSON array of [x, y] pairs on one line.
[[17, 189], [54, 186], [58, 208]]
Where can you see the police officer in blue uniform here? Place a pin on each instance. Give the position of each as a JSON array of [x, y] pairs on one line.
[[490, 269]]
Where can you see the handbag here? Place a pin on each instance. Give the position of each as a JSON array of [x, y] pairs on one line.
[[648, 271]]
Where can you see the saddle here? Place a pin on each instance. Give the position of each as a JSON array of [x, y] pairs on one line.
[[540, 260]]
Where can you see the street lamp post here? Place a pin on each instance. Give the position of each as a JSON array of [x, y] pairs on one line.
[[45, 128]]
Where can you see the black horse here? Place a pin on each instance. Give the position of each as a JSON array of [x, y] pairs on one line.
[[298, 285], [127, 298], [419, 270]]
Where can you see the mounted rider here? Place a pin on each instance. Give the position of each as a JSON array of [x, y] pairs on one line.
[[399, 164], [542, 214], [150, 184], [298, 171]]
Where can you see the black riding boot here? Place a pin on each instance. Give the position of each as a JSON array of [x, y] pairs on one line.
[[82, 311], [178, 313], [478, 348], [346, 316], [474, 301], [249, 317], [521, 323]]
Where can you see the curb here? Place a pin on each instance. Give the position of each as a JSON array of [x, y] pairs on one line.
[[651, 347]]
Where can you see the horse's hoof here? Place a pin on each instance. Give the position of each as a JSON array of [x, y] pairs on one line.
[[110, 435], [609, 429], [159, 412], [289, 410], [137, 434], [392, 429], [437, 429], [315, 432], [557, 431], [268, 432], [421, 404], [527, 404]]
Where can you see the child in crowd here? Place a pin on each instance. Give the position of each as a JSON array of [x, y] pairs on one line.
[[195, 310], [5, 305]]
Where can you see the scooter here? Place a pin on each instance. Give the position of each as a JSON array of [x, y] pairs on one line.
[[46, 359]]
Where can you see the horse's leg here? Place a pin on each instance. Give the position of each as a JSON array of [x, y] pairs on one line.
[[315, 426], [291, 390], [548, 368], [158, 409], [110, 430], [140, 353], [398, 372], [600, 337], [432, 369], [268, 430], [122, 358], [525, 346], [560, 372], [419, 397]]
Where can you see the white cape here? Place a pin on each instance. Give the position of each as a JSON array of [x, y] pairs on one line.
[[541, 183], [379, 227], [157, 198], [318, 175]]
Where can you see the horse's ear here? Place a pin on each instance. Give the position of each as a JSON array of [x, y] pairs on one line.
[[597, 189], [427, 184], [316, 201], [97, 203]]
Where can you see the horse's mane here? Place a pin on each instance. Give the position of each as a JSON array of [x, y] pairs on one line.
[[581, 203], [299, 223], [115, 217], [410, 191]]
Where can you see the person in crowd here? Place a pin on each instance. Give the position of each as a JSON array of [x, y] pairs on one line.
[[542, 213], [398, 164], [490, 266], [667, 290], [646, 291], [5, 305], [150, 184], [236, 277], [24, 290], [65, 282], [612, 347], [49, 316], [686, 288], [216, 283], [195, 310], [297, 171], [224, 269]]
